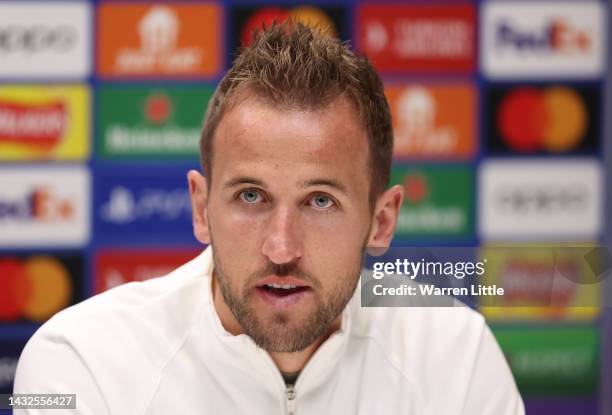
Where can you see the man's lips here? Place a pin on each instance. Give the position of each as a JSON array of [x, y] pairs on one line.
[[281, 292], [282, 282]]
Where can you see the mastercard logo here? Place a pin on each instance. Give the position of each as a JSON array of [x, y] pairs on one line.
[[33, 289], [553, 119], [308, 15]]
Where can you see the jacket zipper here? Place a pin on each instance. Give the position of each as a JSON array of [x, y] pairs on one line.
[[290, 399]]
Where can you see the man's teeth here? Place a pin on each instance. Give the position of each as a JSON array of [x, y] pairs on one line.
[[286, 287]]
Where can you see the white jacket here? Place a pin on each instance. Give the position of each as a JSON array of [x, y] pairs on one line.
[[158, 347]]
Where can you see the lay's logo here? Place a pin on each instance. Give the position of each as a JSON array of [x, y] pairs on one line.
[[37, 125], [44, 122], [526, 39]]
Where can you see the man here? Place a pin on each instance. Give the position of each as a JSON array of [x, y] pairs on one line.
[[297, 147]]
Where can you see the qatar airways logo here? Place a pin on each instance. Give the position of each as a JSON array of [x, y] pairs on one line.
[[525, 39]]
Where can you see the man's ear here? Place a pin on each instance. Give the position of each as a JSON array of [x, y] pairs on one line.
[[198, 191], [386, 211]]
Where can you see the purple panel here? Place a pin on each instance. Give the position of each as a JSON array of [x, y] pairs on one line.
[[562, 406]]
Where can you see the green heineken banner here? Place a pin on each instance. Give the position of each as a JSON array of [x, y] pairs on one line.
[[552, 360], [438, 202], [143, 122]]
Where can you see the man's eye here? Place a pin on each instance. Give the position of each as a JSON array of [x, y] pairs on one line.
[[250, 196], [322, 202]]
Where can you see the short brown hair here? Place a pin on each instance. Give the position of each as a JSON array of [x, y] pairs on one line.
[[293, 65]]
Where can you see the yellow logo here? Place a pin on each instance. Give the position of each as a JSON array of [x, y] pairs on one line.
[[44, 122]]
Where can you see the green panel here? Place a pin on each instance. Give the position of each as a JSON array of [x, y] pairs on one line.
[[151, 122], [439, 202], [559, 361]]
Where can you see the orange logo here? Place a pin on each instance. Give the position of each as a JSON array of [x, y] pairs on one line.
[[159, 40], [35, 288], [434, 121]]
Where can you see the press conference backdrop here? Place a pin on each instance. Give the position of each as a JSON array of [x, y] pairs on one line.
[[501, 137]]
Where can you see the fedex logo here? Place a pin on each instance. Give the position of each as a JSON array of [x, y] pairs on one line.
[[44, 206], [40, 204], [557, 36], [526, 39]]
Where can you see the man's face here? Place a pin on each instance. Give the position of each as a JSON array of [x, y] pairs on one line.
[[288, 216]]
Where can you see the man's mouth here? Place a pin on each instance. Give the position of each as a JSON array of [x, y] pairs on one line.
[[282, 291]]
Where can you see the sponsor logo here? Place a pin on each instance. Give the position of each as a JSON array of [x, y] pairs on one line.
[[418, 38], [38, 122], [39, 204], [124, 206], [556, 199], [144, 122], [44, 206], [560, 361], [540, 283], [537, 200], [114, 267], [438, 202], [10, 350], [433, 121], [49, 40], [159, 40], [36, 287], [37, 38], [41, 125], [138, 204], [522, 39], [249, 19], [547, 119]]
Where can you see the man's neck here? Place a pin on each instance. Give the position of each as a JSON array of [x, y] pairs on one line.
[[286, 362]]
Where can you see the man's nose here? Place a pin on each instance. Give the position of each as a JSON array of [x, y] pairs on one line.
[[282, 243]]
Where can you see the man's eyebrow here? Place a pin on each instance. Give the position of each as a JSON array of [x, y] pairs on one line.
[[326, 182], [244, 180]]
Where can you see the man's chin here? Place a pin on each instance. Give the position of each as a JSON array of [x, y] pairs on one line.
[[282, 332]]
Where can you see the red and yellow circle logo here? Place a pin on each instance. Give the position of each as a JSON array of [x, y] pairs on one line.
[[34, 288], [552, 119], [308, 15]]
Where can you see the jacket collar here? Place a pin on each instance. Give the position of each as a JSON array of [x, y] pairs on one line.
[[243, 353]]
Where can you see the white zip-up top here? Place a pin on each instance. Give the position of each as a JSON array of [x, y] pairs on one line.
[[158, 348]]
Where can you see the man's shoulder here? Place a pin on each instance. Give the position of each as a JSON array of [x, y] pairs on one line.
[[419, 340], [439, 351], [116, 324], [119, 339], [159, 299]]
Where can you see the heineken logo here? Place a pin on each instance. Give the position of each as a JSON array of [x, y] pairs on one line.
[[158, 108]]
